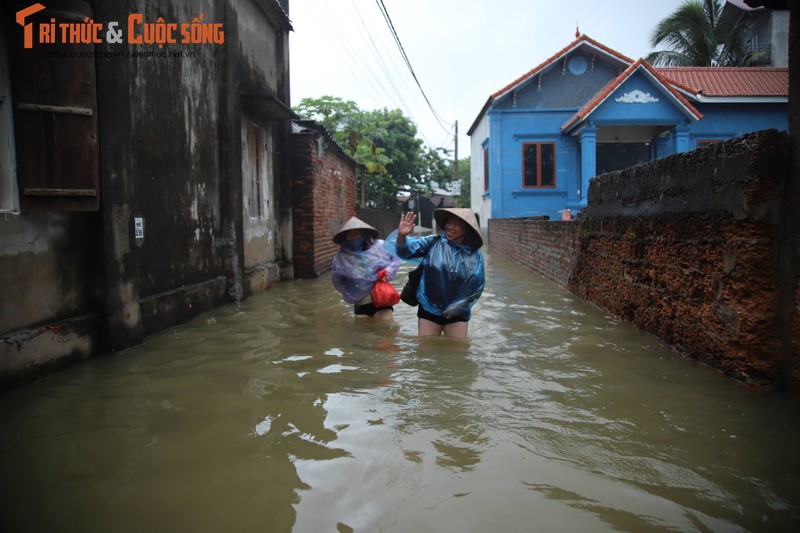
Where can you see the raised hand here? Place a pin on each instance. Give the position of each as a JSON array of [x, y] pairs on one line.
[[406, 225]]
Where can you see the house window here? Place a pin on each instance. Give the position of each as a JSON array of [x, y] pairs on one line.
[[54, 107], [485, 169], [255, 168], [539, 165]]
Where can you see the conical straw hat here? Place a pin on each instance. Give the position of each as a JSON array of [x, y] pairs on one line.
[[464, 213], [354, 223]]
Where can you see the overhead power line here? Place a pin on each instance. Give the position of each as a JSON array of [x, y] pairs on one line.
[[342, 35], [389, 23]]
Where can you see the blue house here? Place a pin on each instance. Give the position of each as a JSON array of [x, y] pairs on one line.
[[588, 109]]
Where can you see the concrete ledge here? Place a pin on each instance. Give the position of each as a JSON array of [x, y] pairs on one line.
[[177, 306], [30, 354]]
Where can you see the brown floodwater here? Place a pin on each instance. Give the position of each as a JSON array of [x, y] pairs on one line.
[[285, 413]]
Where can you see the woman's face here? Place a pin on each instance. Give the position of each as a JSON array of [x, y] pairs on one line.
[[354, 234], [355, 239], [455, 230]]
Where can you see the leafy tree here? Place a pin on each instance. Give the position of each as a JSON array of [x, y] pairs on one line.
[[332, 112], [383, 140], [700, 33], [397, 135]]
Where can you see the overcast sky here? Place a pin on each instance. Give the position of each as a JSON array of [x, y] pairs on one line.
[[460, 50]]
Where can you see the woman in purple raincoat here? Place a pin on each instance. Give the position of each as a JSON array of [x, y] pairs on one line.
[[360, 262]]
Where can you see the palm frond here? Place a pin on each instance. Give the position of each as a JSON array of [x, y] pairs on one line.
[[698, 34]]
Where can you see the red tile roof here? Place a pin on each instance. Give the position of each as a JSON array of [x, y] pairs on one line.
[[600, 97], [731, 81], [559, 54]]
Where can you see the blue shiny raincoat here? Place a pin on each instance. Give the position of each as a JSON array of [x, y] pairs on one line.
[[453, 276]]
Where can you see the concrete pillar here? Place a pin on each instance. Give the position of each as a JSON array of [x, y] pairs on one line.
[[496, 165], [682, 138], [588, 159]]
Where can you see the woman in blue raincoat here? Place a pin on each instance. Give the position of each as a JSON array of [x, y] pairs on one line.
[[453, 273], [360, 262]]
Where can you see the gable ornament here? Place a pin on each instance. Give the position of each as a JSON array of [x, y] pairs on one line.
[[636, 97]]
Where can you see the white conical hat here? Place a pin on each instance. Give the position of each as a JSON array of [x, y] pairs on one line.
[[354, 223], [464, 213]]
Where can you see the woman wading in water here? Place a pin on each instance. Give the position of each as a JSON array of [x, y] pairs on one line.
[[453, 274], [361, 262]]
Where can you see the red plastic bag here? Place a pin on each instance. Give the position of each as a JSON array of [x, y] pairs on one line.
[[383, 293]]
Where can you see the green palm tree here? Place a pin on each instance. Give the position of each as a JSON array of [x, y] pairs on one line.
[[700, 33]]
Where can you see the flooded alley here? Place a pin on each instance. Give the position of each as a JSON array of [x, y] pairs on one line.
[[287, 414]]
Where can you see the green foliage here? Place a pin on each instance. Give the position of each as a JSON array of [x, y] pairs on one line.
[[332, 112], [464, 199], [436, 167], [698, 33], [384, 141]]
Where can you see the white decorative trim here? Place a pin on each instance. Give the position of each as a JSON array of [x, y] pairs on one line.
[[636, 97]]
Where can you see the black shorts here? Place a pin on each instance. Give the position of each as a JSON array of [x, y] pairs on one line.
[[442, 321], [368, 309]]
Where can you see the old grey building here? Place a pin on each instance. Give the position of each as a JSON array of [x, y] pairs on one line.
[[142, 170]]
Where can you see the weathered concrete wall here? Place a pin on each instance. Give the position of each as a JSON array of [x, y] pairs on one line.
[[259, 68], [180, 167], [324, 181], [688, 248], [51, 284], [170, 137]]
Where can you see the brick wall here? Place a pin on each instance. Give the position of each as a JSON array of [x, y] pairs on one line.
[[323, 197], [692, 248], [547, 248]]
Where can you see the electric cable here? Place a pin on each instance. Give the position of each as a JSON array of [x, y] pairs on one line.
[[388, 20]]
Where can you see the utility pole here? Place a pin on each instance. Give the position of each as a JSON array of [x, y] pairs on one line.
[[419, 220], [455, 165], [455, 162]]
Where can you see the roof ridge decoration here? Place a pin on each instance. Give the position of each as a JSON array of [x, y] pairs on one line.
[[637, 96]]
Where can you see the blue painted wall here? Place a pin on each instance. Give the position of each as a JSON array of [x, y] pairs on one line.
[[509, 197], [730, 120]]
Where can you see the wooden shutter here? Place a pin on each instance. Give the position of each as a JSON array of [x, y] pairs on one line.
[[55, 116]]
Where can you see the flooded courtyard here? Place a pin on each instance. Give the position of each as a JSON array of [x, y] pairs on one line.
[[286, 413]]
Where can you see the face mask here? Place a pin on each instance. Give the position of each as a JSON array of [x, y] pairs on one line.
[[356, 244]]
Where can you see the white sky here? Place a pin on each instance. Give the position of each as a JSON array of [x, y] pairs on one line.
[[461, 51]]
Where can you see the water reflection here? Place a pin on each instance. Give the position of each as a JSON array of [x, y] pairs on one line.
[[288, 414]]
